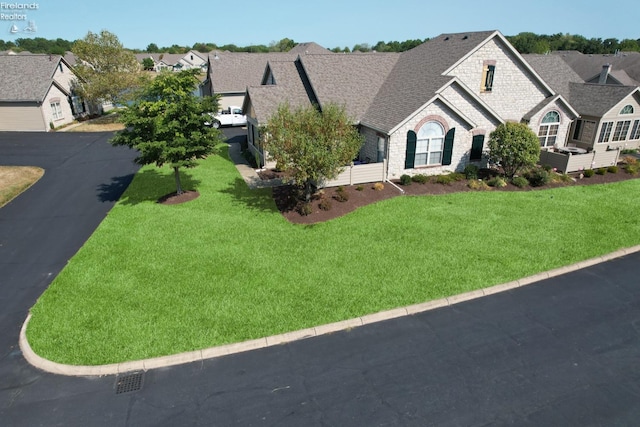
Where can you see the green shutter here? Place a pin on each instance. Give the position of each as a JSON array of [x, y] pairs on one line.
[[476, 147], [448, 147], [410, 158]]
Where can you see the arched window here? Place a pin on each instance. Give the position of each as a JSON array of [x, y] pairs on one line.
[[548, 131], [429, 144], [628, 109]]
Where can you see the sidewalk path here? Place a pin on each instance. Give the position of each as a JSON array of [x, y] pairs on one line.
[[249, 174]]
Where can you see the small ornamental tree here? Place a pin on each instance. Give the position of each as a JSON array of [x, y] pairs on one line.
[[166, 123], [310, 144], [108, 72], [514, 147], [147, 64]]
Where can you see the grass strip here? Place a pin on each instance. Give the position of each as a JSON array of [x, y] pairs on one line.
[[16, 179]]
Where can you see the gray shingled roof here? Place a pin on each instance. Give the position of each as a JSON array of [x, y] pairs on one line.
[[348, 80], [289, 88], [308, 48], [555, 71], [589, 66], [417, 75], [70, 58], [588, 99], [595, 100], [235, 71], [26, 78]]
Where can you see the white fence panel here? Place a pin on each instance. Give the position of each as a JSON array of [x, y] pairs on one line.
[[359, 174], [576, 162]]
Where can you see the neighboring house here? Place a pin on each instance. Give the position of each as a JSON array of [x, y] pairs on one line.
[[230, 73], [609, 109], [175, 61], [428, 110], [36, 93]]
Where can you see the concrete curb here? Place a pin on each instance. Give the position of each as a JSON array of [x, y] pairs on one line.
[[224, 350]]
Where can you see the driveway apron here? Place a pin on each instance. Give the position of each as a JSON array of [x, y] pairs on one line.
[[45, 226]]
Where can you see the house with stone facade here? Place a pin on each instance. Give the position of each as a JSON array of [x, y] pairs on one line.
[[428, 110], [608, 103], [36, 93]]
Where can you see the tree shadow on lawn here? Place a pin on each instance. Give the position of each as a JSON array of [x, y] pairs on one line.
[[259, 200], [150, 185], [111, 192]]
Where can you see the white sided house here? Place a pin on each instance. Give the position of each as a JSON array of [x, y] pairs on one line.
[[36, 93], [428, 110]]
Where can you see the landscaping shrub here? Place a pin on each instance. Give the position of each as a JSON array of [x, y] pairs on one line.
[[513, 146], [471, 172], [405, 180], [497, 182], [341, 194], [304, 208], [520, 181], [601, 171], [360, 187], [378, 186], [457, 176], [589, 173], [630, 160], [444, 179], [612, 169], [560, 177], [538, 177], [632, 168], [420, 178], [318, 195], [325, 204], [478, 184]]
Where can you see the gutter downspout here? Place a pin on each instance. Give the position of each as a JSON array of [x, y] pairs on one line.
[[386, 173]]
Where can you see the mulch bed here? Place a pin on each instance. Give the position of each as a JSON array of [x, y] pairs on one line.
[[286, 199], [175, 199]]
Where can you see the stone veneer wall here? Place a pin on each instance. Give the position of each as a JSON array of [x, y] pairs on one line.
[[514, 92], [461, 146]]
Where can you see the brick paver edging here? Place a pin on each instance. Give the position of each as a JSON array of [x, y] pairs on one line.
[[223, 350]]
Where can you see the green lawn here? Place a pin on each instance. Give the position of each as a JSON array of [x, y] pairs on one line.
[[156, 280]]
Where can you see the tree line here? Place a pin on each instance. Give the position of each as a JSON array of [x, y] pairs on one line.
[[524, 42]]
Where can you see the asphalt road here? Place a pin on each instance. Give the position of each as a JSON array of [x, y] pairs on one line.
[[560, 352]]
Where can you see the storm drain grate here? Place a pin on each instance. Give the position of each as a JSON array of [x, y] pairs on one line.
[[129, 382]]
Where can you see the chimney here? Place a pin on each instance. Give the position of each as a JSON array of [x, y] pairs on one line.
[[604, 74]]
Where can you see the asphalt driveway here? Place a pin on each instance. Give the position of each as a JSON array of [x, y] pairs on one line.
[[45, 226], [563, 351]]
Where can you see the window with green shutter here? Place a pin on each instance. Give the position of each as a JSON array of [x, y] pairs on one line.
[[429, 147]]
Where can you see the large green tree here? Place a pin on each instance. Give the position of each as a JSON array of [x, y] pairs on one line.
[[108, 71], [311, 144], [514, 147], [166, 123]]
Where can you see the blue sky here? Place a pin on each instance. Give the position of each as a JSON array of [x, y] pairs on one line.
[[330, 23]]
